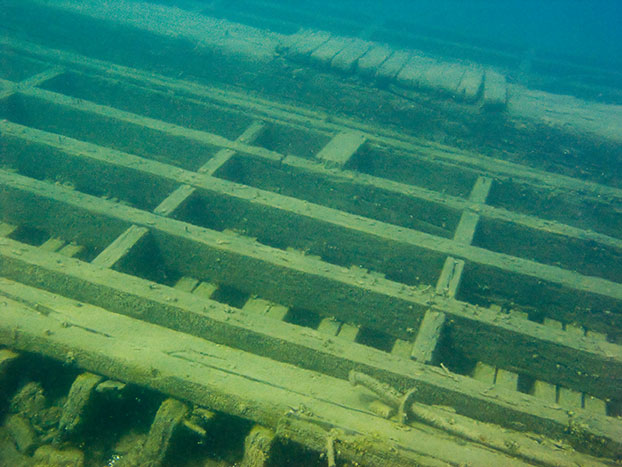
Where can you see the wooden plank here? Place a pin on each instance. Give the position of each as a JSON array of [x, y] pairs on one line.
[[168, 417], [402, 348], [266, 307], [466, 227], [120, 247], [325, 53], [6, 229], [443, 77], [484, 373], [307, 42], [553, 323], [574, 330], [369, 63], [428, 337], [348, 332], [495, 91], [41, 78], [506, 379], [71, 249], [481, 189], [599, 336], [347, 59], [450, 278], [186, 284], [53, 244], [468, 221], [249, 136], [80, 395], [472, 84], [545, 391], [412, 72], [172, 202], [252, 132], [205, 290], [569, 399], [391, 67], [594, 405], [329, 326], [341, 148]]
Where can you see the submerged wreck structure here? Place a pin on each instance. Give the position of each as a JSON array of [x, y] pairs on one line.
[[230, 236]]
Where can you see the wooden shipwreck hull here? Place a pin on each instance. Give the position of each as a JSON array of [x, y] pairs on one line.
[[257, 226]]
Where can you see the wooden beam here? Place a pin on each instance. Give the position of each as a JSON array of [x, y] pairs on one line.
[[341, 148], [428, 337], [120, 247]]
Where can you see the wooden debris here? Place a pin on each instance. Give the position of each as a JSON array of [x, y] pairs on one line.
[[257, 446], [167, 419], [73, 409]]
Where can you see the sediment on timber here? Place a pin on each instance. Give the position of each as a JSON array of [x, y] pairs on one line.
[[259, 244]]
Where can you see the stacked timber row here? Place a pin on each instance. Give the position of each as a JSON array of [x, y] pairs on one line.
[[409, 69], [213, 260]]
